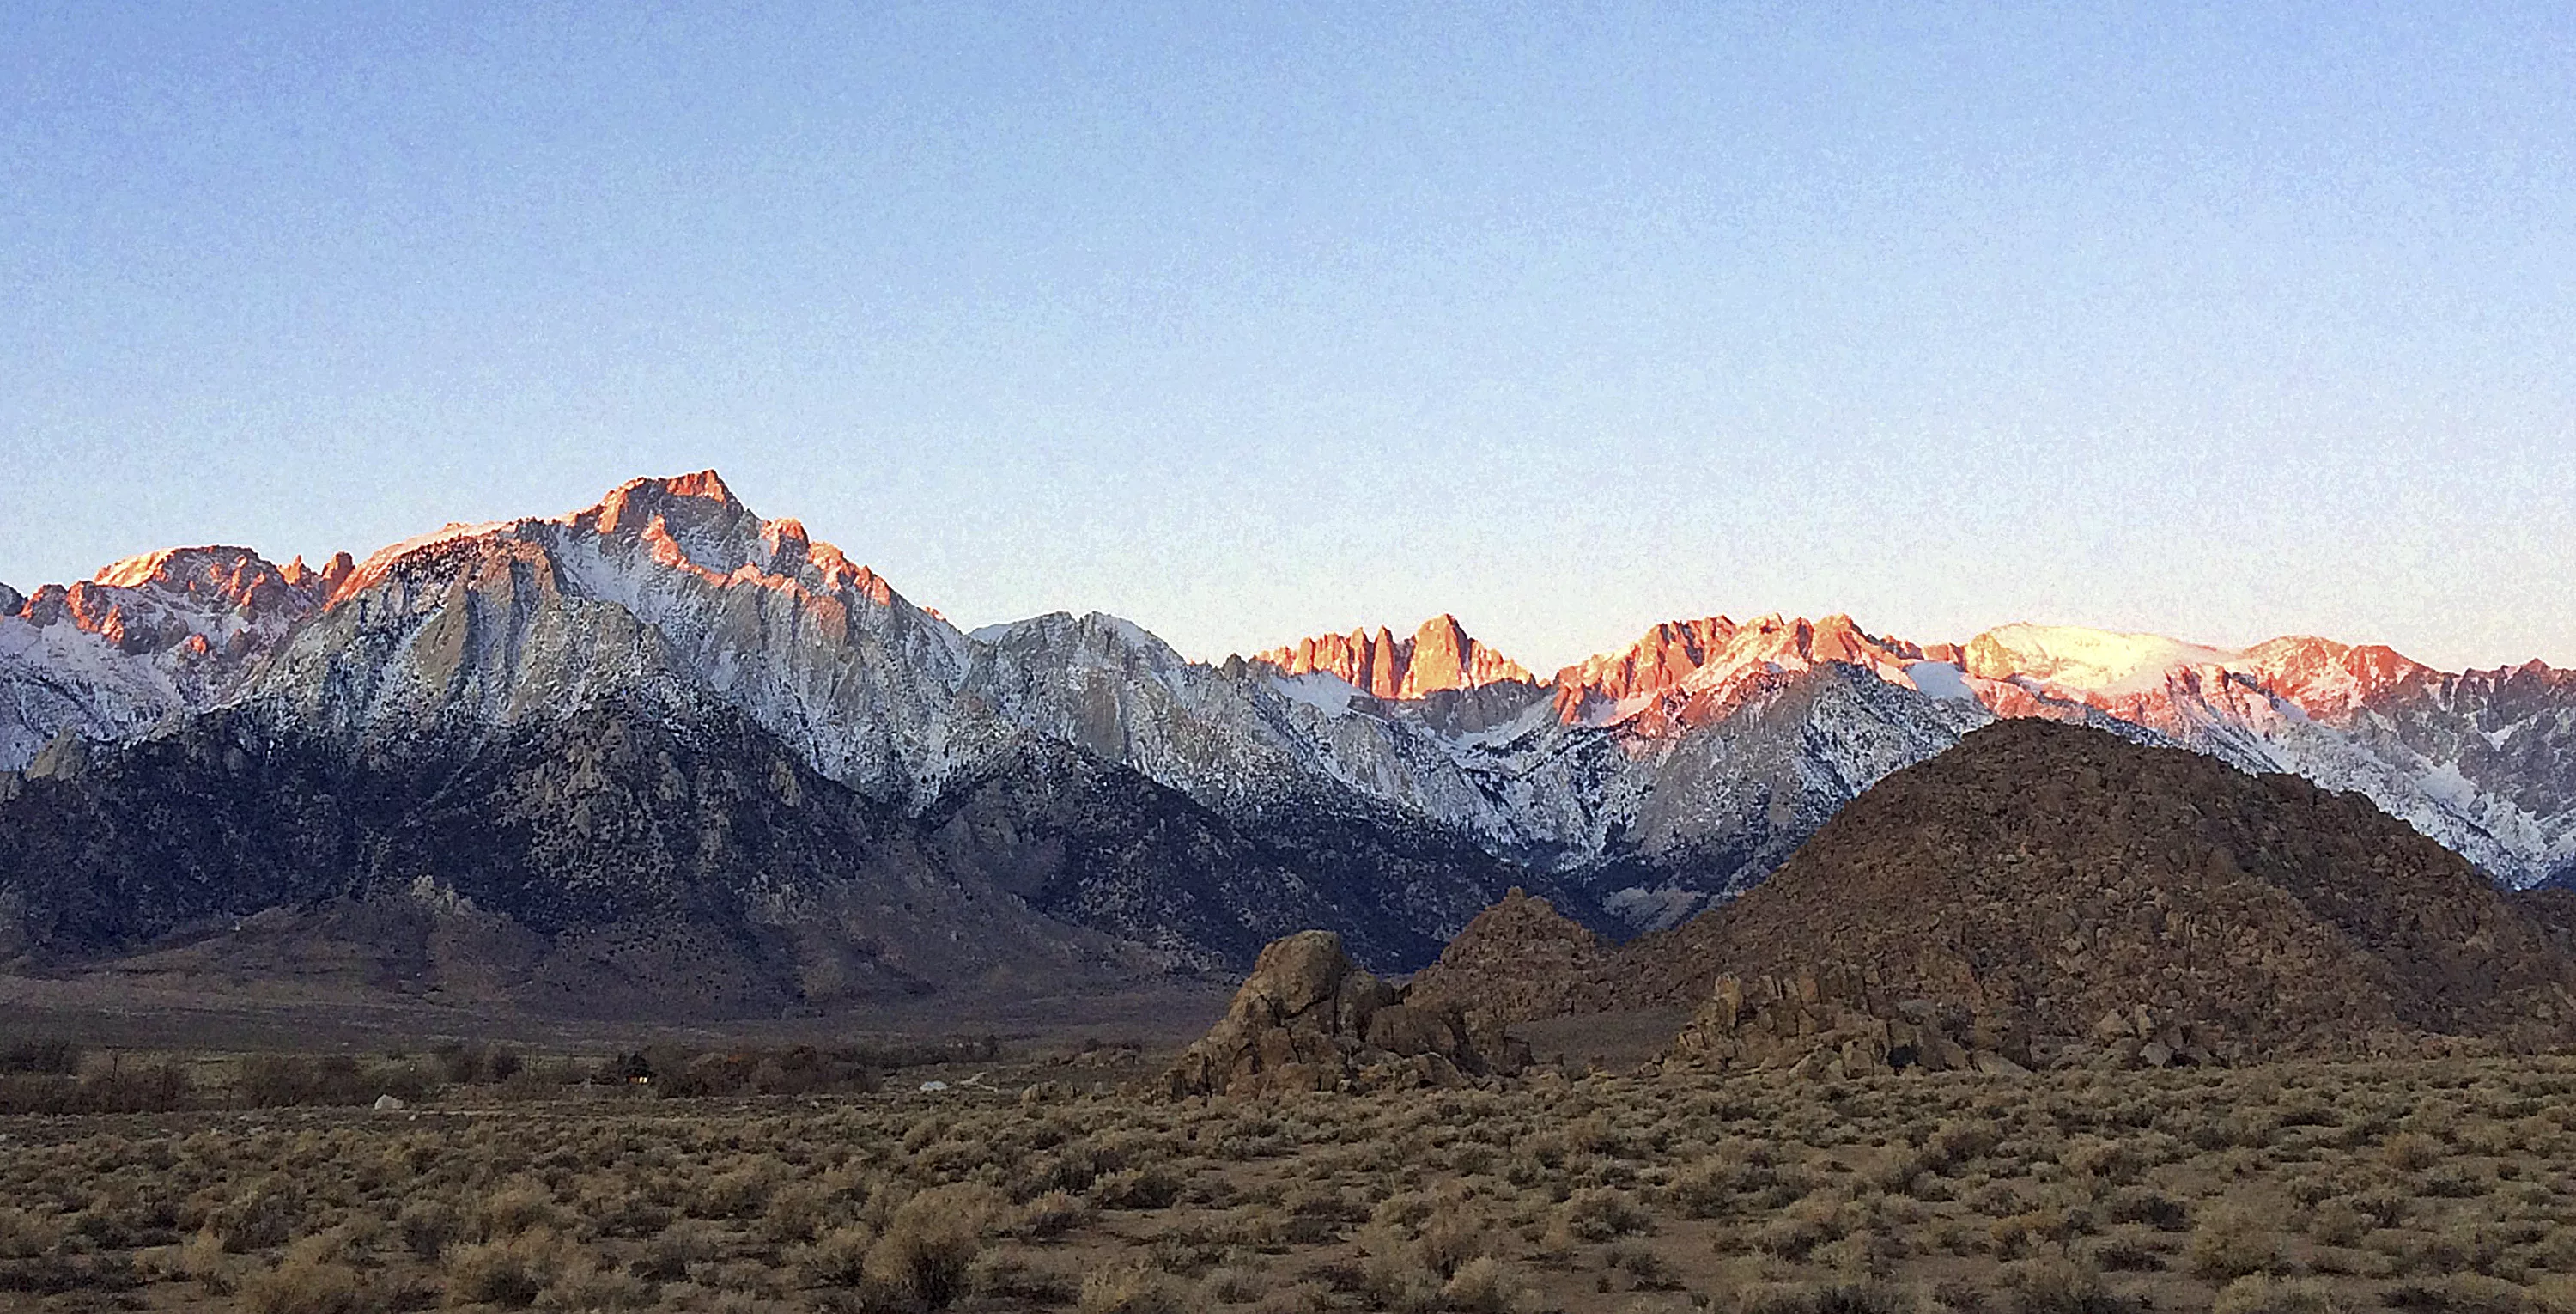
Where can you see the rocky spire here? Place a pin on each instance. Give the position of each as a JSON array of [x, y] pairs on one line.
[[1440, 655]]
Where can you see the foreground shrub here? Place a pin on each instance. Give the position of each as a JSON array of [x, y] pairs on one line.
[[1004, 1276], [2137, 1204], [265, 1215], [202, 1258], [2233, 1244], [2412, 1152], [1485, 1285], [2060, 1286], [1153, 1187], [932, 1240], [2463, 1293], [586, 1286], [305, 1286], [837, 1258], [669, 1254], [427, 1225], [518, 1207], [1051, 1214], [2338, 1223], [2264, 1295], [1808, 1298], [1130, 1289], [1742, 1177], [24, 1235], [511, 1272], [1605, 1212], [1307, 1297]]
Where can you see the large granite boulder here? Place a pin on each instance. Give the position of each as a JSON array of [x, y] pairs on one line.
[[1309, 1019]]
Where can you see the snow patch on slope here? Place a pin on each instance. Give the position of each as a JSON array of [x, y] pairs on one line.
[[1324, 691], [1941, 680]]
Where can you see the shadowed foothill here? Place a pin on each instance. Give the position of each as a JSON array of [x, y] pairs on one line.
[[2050, 894]]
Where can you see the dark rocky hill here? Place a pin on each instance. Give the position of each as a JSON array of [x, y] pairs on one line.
[[2050, 877], [1523, 959]]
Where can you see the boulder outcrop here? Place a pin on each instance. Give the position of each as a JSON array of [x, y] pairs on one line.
[[1845, 1023], [1521, 959], [1309, 1019]]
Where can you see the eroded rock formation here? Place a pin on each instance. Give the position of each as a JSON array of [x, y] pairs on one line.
[[1844, 1023], [1309, 1019]]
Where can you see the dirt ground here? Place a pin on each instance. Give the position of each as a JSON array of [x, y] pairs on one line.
[[107, 1008], [1040, 1184]]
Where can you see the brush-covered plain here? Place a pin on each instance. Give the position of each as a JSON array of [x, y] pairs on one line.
[[2432, 1184]]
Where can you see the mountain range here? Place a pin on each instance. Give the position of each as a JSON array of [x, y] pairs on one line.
[[665, 719]]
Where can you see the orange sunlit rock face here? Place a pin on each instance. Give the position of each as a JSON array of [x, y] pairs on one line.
[[321, 583], [158, 601], [1668, 654], [1687, 670], [2327, 680], [1441, 655], [691, 525], [1685, 673], [705, 485]]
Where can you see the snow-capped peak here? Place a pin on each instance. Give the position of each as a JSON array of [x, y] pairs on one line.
[[1700, 661], [2318, 677], [2098, 662]]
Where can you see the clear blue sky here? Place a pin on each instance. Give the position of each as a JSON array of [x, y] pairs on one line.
[[1251, 321]]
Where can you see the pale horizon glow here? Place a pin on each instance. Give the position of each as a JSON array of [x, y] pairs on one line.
[[2220, 323]]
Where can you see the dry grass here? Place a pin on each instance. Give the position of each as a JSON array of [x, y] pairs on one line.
[[2434, 1185]]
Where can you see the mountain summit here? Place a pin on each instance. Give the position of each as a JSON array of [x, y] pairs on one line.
[[1440, 656]]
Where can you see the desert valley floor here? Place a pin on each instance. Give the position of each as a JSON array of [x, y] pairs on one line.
[[1053, 1177]]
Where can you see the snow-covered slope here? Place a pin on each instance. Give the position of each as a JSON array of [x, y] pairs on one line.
[[148, 638], [669, 588], [2098, 663]]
